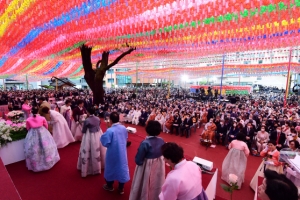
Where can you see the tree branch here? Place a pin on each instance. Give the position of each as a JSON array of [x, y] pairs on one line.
[[97, 65], [86, 58], [89, 73], [120, 57]]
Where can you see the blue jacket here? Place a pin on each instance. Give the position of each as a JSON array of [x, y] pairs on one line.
[[116, 163]]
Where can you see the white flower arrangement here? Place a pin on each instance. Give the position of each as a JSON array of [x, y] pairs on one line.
[[11, 131], [15, 113], [83, 117]]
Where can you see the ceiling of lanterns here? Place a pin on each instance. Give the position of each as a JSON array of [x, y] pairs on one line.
[[41, 38]]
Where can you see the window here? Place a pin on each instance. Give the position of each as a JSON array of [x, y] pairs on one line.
[[110, 71], [246, 62], [110, 80], [121, 70], [123, 80], [260, 61]]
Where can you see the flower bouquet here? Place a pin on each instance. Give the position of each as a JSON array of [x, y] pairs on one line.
[[82, 118], [15, 115], [233, 179]]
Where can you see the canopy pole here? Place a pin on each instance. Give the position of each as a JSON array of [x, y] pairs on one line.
[[288, 79], [223, 62], [27, 81], [136, 77], [56, 84]]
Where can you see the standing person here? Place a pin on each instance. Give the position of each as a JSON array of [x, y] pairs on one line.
[[26, 108], [149, 174], [79, 113], [92, 153], [61, 132], [236, 160], [39, 147], [43, 103], [184, 182], [66, 111], [116, 163]]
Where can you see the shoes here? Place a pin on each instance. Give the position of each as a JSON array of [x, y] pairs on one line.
[[128, 144], [105, 187], [121, 191]]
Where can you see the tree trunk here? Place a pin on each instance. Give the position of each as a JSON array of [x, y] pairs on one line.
[[94, 77], [98, 92]]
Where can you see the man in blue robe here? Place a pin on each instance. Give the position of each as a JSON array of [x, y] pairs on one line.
[[116, 163]]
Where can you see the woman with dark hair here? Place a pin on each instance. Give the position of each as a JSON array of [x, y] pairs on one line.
[[270, 161], [26, 108], [236, 160], [66, 111], [277, 187], [92, 153], [185, 180], [39, 147], [262, 139], [290, 153], [271, 155], [149, 174], [60, 130], [79, 114], [233, 131]]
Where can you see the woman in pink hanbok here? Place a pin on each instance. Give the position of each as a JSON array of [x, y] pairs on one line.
[[236, 160], [26, 108], [184, 182], [79, 114], [39, 147], [61, 132]]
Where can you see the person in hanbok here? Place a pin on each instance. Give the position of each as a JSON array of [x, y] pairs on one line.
[[66, 111], [271, 155], [61, 132], [79, 114], [236, 160], [149, 174], [116, 163], [184, 182], [40, 149], [26, 108], [209, 131], [43, 103], [271, 161], [92, 154]]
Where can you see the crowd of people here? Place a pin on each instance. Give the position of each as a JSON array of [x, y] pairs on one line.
[[252, 126]]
